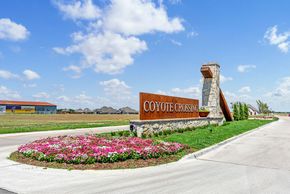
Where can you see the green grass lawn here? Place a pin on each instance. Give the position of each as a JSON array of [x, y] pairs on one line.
[[15, 123], [60, 126], [206, 136]]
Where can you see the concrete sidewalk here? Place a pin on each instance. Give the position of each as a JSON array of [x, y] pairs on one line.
[[22, 138], [257, 162]]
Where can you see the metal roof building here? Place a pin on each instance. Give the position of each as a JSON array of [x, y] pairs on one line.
[[28, 107]]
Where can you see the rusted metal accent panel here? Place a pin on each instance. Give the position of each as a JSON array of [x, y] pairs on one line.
[[206, 72], [155, 106], [225, 108]]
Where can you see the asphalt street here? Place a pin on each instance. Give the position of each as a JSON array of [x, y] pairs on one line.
[[258, 162]]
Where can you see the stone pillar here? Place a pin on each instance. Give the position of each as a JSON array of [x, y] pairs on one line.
[[211, 91]]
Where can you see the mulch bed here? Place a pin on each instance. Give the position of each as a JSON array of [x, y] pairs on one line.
[[18, 157]]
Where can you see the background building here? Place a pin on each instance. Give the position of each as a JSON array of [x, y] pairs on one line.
[[27, 107], [253, 110]]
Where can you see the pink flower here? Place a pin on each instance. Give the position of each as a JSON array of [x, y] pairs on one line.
[[85, 149]]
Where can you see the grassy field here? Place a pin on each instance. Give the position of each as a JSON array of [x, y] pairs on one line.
[[14, 123], [206, 136]]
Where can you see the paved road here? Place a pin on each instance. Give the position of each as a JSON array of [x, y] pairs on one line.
[[258, 162], [22, 138]]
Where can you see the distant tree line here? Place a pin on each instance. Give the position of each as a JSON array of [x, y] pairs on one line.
[[240, 111]]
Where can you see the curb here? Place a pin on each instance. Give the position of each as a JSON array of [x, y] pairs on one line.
[[215, 146]]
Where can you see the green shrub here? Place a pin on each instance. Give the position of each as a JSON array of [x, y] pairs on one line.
[[133, 133], [120, 133], [144, 136], [236, 112], [126, 133], [113, 133], [246, 111], [241, 111]]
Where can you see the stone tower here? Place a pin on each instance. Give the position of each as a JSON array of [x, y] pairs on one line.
[[211, 89]]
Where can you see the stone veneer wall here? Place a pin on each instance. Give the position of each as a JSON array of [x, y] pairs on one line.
[[151, 126], [211, 91]]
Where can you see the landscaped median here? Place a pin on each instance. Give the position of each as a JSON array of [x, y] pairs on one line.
[[111, 151]]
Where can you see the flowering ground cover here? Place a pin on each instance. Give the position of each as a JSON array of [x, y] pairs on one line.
[[91, 149]]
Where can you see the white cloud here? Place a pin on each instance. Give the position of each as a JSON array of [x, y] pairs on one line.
[[284, 47], [177, 43], [175, 1], [63, 98], [111, 41], [245, 89], [29, 85], [107, 53], [41, 95], [232, 97], [224, 79], [136, 17], [84, 98], [190, 92], [161, 92], [82, 101], [280, 40], [59, 50], [282, 90], [8, 94], [192, 34], [7, 75], [245, 68], [84, 9], [278, 98], [30, 75], [73, 68], [10, 30], [117, 89], [76, 69], [187, 91]]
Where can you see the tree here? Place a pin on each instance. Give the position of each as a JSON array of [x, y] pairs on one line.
[[263, 107], [236, 112], [241, 111], [246, 111]]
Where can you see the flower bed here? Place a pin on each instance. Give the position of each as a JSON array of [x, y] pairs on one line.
[[91, 149]]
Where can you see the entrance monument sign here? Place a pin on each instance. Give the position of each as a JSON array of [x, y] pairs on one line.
[[154, 106], [159, 112]]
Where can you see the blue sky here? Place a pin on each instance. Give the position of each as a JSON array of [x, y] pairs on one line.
[[93, 53]]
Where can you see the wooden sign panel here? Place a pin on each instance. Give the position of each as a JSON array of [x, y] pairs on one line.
[[154, 106]]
